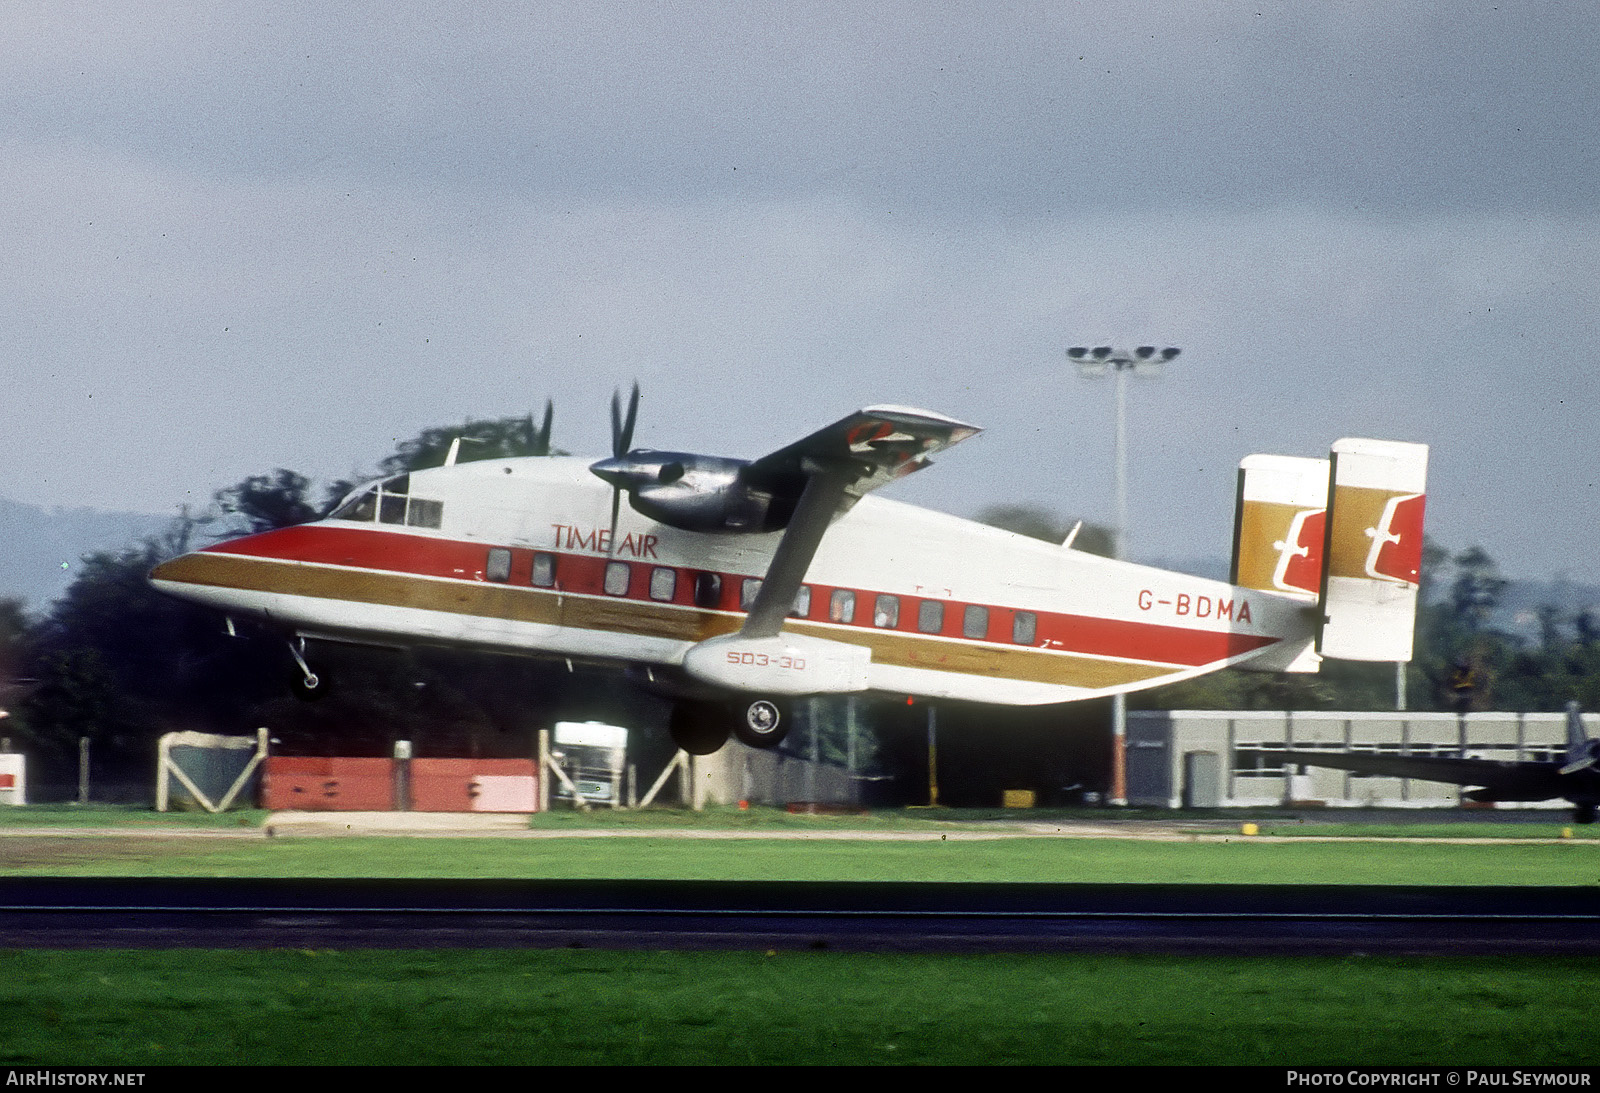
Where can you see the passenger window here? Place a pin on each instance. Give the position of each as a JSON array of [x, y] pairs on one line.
[[886, 612], [707, 590], [544, 570], [930, 616], [618, 577], [425, 514], [748, 592], [1024, 627], [663, 583], [975, 623], [802, 603], [499, 567], [842, 606]]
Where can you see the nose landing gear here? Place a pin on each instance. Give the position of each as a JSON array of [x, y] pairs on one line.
[[307, 685]]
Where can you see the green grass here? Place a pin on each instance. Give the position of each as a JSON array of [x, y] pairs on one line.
[[67, 816], [1271, 821], [1485, 830], [129, 1009], [1238, 861]]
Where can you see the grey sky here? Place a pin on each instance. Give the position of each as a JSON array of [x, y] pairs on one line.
[[274, 235]]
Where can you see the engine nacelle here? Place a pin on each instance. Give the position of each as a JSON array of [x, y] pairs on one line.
[[788, 664], [695, 492]]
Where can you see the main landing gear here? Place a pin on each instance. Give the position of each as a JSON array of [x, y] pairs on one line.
[[701, 728], [761, 723]]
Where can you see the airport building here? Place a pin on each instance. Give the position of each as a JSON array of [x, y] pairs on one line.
[[1233, 758]]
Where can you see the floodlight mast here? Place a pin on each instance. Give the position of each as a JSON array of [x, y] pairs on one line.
[[1145, 360]]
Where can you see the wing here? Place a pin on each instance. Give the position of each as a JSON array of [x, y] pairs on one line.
[[1506, 781], [830, 470], [877, 445]]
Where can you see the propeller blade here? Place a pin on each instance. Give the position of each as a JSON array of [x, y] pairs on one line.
[[539, 439], [616, 425], [616, 508], [1582, 764], [625, 437], [621, 443]]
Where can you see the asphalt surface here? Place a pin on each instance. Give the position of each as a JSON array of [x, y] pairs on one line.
[[233, 913]]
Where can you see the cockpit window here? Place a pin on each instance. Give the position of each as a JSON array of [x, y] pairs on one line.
[[392, 497], [390, 502], [362, 507], [425, 514]]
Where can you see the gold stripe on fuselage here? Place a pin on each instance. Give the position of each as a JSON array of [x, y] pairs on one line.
[[640, 618]]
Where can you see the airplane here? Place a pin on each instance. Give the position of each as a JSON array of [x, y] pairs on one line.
[[1574, 777], [734, 586]]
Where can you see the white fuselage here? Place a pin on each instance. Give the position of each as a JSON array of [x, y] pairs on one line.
[[521, 558]]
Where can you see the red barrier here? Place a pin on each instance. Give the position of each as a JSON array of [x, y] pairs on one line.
[[474, 785], [368, 785], [328, 784]]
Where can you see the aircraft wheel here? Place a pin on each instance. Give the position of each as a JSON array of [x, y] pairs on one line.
[[1584, 814], [761, 723], [311, 687], [698, 727]]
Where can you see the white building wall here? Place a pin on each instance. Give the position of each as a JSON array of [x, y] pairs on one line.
[[1245, 739]]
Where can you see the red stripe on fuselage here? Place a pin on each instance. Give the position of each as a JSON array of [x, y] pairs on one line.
[[371, 547]]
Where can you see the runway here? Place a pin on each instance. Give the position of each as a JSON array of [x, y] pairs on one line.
[[56, 912]]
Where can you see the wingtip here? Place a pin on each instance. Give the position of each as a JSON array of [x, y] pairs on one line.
[[915, 413]]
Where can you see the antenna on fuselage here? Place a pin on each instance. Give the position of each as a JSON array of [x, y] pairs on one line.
[[455, 448]]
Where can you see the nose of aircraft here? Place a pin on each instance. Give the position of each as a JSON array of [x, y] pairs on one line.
[[177, 573]]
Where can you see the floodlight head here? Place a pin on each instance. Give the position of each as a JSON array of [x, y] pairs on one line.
[[1077, 352], [1145, 352], [1170, 352], [1101, 352]]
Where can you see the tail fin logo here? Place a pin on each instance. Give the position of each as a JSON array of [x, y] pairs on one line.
[[1396, 553], [1299, 567]]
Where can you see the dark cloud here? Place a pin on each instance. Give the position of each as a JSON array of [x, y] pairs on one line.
[[963, 110], [268, 235]]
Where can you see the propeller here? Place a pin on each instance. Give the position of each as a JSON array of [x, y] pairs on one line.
[[1582, 752], [538, 438], [1590, 756], [621, 444]]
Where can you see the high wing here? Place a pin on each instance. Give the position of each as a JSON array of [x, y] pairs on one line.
[[837, 464], [878, 444], [1519, 780]]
